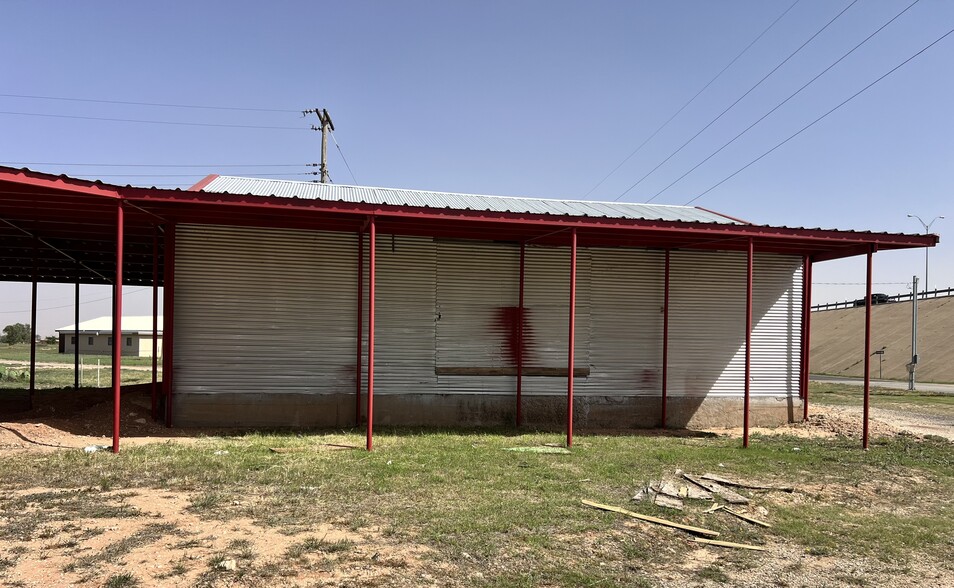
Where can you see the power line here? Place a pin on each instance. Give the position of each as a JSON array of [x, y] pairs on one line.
[[159, 164], [739, 99], [782, 103], [341, 153], [71, 306], [153, 122], [691, 100], [814, 122], [130, 103]]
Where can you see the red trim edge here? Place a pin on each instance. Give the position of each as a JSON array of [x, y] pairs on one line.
[[203, 183], [738, 220]]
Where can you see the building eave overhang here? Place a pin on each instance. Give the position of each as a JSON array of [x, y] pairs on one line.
[[73, 222]]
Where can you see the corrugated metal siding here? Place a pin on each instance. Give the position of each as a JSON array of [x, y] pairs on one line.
[[422, 198], [707, 324], [477, 284], [547, 299], [404, 315], [776, 324], [626, 344], [263, 310]]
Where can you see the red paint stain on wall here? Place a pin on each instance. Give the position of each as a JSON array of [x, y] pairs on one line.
[[514, 326]]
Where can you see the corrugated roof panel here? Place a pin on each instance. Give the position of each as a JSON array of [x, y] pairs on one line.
[[427, 199]]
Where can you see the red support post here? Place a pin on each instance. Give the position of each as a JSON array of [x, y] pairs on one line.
[[571, 343], [371, 279], [33, 328], [155, 322], [864, 432], [118, 327], [665, 349], [520, 322], [360, 334], [748, 343], [76, 335], [807, 353], [168, 316]]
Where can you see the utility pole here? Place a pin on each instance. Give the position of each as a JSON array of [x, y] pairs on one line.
[[914, 333], [325, 119]]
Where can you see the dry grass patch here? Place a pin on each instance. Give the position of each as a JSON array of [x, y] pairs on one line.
[[452, 508]]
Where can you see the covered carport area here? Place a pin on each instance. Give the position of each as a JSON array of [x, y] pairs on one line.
[[63, 230]]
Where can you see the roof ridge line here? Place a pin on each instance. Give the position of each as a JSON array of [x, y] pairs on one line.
[[537, 198]]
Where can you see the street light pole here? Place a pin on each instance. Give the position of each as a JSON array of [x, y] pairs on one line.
[[927, 230], [913, 366]]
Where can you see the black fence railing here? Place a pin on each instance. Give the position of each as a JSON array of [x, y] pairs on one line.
[[881, 299]]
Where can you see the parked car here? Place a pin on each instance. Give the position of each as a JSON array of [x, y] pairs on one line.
[[878, 298]]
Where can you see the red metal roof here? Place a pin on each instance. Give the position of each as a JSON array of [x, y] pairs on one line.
[[74, 223]]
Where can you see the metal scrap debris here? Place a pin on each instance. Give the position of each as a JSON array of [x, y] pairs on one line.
[[667, 501], [669, 494]]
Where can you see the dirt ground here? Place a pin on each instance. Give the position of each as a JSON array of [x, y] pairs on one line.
[[158, 540], [156, 535], [85, 419]]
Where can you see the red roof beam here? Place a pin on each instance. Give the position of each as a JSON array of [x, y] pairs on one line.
[[507, 218]]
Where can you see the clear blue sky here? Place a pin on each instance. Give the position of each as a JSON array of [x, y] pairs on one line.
[[513, 98]]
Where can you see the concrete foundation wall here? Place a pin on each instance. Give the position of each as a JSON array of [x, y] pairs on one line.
[[541, 412]]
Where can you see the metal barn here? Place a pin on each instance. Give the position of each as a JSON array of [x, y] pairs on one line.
[[301, 304]]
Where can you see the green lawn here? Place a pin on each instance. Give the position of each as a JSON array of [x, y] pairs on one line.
[[18, 377], [50, 354], [516, 517], [847, 394]]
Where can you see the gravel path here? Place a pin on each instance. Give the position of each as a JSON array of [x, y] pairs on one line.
[[912, 421]]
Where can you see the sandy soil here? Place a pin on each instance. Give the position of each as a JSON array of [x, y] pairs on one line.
[[85, 419], [167, 545]]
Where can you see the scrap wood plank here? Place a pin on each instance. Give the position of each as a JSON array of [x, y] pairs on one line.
[[749, 485], [746, 517], [649, 519], [729, 495], [728, 544], [286, 449], [539, 449]]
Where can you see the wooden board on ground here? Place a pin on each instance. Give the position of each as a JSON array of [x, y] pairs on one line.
[[729, 544], [649, 519], [746, 517], [730, 496], [749, 485]]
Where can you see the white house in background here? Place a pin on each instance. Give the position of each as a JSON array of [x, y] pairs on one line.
[[96, 336]]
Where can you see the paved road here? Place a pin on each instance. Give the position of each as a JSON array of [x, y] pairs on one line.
[[892, 384]]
